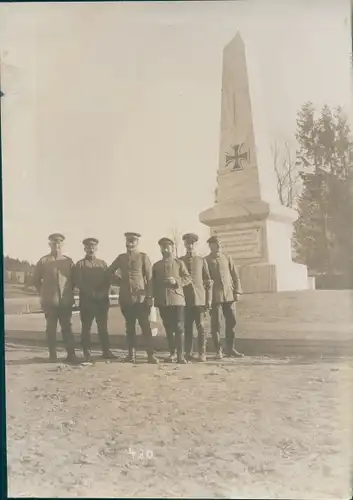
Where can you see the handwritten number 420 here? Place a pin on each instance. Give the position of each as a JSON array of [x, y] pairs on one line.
[[141, 455]]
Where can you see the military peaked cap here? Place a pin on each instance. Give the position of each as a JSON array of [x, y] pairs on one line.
[[56, 237], [132, 235], [190, 237], [214, 239], [87, 241], [165, 241]]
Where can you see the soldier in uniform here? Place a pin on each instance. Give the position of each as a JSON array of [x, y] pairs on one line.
[[198, 297], [134, 271], [169, 277], [92, 280], [53, 279], [225, 293]]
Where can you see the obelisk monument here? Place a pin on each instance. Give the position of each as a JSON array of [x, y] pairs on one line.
[[254, 227]]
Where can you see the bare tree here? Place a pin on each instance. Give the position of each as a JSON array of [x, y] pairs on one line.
[[287, 173]]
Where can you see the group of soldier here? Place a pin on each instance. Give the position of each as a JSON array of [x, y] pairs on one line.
[[185, 290]]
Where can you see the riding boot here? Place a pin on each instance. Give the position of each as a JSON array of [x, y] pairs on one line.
[[171, 341], [171, 358], [71, 357], [179, 340], [231, 352], [70, 346], [151, 358], [202, 347], [51, 337], [70, 349], [217, 345], [131, 357], [87, 355], [188, 343]]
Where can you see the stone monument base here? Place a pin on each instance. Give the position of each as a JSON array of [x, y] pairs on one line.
[[264, 277], [257, 236]]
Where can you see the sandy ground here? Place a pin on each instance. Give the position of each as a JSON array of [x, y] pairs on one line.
[[250, 428]]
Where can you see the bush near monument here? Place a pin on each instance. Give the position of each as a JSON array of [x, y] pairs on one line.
[[323, 233]]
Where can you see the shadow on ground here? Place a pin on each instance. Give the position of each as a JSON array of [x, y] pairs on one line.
[[224, 364]]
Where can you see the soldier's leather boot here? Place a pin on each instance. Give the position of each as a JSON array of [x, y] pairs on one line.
[[107, 354], [87, 355], [131, 357], [181, 359], [233, 353], [217, 344], [52, 354], [171, 358], [52, 347], [71, 358], [202, 348], [190, 358], [219, 353], [53, 358], [151, 358]]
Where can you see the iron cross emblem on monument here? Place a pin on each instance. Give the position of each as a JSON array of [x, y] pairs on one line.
[[238, 157]]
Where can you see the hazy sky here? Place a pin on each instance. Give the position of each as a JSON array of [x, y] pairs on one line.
[[111, 118]]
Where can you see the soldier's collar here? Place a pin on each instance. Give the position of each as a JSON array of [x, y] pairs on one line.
[[56, 255]]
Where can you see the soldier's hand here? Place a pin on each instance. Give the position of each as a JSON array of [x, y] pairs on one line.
[[236, 297], [170, 281], [149, 301]]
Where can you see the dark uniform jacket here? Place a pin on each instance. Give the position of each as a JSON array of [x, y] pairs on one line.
[[53, 278], [165, 294], [92, 280], [134, 277], [198, 292], [224, 274]]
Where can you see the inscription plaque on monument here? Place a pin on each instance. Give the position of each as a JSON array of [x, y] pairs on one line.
[[240, 243]]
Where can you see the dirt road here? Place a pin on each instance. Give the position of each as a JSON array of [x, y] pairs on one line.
[[251, 428]]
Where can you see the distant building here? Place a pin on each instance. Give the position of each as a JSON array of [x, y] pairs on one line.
[[7, 276], [18, 277]]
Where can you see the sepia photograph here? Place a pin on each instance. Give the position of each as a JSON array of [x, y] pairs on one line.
[[177, 183]]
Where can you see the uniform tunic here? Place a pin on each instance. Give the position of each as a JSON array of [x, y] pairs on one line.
[[225, 278], [135, 275], [196, 291], [53, 278], [91, 278], [165, 294]]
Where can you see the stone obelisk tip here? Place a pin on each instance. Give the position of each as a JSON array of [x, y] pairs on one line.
[[237, 40]]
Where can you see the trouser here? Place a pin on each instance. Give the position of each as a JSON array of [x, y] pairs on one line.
[[173, 322], [61, 314], [229, 313], [195, 314], [138, 312], [94, 310]]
